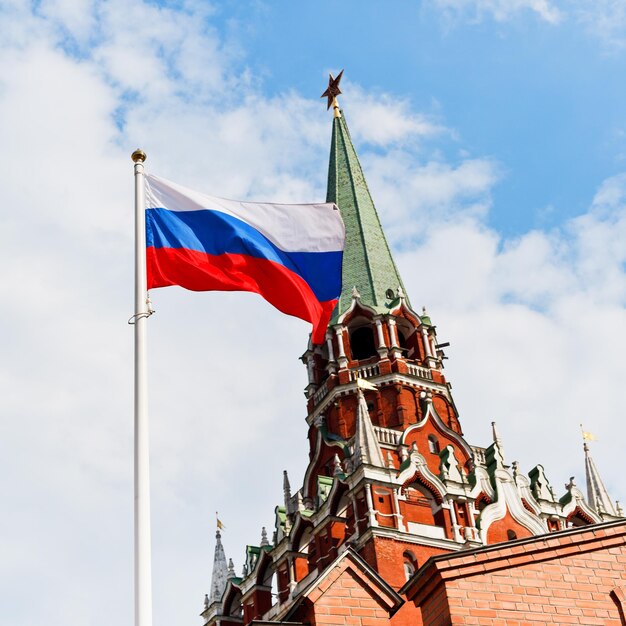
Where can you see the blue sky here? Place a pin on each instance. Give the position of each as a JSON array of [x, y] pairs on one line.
[[544, 99], [491, 133]]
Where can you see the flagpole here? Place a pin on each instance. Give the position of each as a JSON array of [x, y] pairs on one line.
[[143, 569]]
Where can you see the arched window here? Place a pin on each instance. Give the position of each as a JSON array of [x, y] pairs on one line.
[[574, 521], [362, 343], [409, 563], [433, 444], [233, 606]]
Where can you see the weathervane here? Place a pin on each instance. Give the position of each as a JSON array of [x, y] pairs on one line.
[[332, 92]]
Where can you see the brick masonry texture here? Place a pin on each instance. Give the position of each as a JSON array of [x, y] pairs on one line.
[[348, 602], [572, 577]]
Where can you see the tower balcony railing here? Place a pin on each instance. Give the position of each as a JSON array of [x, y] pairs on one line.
[[321, 392], [420, 372], [371, 370], [365, 371], [387, 436]]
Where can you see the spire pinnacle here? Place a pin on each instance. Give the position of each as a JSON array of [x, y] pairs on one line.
[[219, 576], [368, 266], [494, 454], [286, 491], [365, 448], [597, 495], [264, 541], [495, 433]]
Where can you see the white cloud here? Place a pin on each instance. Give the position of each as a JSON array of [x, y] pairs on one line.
[[383, 120], [412, 193], [605, 19], [75, 19], [150, 51], [500, 10]]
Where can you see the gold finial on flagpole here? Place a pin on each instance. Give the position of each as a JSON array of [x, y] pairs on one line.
[[138, 156]]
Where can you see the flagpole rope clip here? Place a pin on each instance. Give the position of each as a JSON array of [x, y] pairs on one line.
[[133, 318]]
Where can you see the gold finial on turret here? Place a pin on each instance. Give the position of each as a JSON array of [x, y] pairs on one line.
[[332, 92], [587, 436]]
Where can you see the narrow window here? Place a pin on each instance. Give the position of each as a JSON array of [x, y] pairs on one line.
[[433, 444], [409, 564]]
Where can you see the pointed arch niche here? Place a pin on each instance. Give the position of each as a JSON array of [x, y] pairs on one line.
[[408, 338], [232, 604], [303, 544], [266, 589], [421, 511]]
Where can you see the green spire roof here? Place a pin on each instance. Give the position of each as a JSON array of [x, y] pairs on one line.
[[367, 261]]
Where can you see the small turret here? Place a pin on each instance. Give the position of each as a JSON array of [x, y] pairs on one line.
[[287, 492], [494, 454], [219, 577], [365, 450], [597, 495]]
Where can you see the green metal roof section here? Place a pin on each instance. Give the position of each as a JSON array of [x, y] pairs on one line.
[[367, 261]]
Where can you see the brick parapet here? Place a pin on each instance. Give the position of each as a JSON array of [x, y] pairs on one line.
[[575, 576]]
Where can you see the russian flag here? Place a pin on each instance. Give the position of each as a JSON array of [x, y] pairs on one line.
[[290, 254]]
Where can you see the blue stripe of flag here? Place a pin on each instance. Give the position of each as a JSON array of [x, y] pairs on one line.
[[217, 233]]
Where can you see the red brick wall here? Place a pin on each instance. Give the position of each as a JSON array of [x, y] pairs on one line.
[[436, 610], [569, 577], [348, 602], [386, 557]]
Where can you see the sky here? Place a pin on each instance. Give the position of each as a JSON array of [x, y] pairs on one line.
[[493, 138]]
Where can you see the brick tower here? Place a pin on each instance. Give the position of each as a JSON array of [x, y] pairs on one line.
[[392, 486]]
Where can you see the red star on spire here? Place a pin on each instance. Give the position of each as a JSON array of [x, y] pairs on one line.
[[333, 88]]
